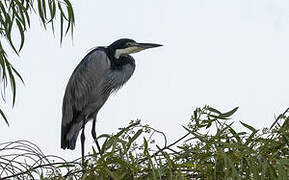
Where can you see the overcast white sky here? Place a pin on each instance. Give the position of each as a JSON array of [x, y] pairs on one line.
[[216, 52]]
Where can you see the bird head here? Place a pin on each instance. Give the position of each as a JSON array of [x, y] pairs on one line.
[[129, 46]]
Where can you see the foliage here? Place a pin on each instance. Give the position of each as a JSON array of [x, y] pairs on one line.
[[15, 16], [210, 149]]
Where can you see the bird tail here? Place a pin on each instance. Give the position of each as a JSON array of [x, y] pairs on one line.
[[69, 136]]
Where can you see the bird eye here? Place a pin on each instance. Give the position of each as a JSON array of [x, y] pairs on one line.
[[128, 43]]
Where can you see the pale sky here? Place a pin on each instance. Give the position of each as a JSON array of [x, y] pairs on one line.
[[216, 52]]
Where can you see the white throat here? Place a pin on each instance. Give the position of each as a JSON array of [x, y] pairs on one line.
[[126, 51]]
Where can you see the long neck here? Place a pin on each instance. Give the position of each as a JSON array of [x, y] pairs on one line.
[[121, 70], [118, 63]]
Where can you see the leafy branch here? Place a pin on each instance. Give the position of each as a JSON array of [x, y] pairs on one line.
[[15, 16], [210, 149]]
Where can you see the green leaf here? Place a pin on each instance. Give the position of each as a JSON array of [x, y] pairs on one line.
[[4, 117], [214, 110], [40, 11], [218, 117], [235, 134], [2, 62], [61, 28], [12, 82], [52, 9], [230, 113], [44, 8], [17, 74], [27, 18], [189, 165], [248, 126], [21, 31], [131, 157], [61, 11], [136, 135], [23, 21], [70, 16], [8, 34]]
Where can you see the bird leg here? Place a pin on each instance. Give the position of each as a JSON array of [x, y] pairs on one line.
[[82, 138], [93, 133]]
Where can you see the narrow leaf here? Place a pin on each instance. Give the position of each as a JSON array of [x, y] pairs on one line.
[[248, 126], [21, 31], [230, 113], [4, 117], [12, 82], [214, 110], [137, 134], [61, 28], [18, 75], [40, 11]]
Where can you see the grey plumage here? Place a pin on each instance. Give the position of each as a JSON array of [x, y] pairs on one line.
[[89, 86], [101, 72]]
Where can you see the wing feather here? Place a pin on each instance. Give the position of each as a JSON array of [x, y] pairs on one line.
[[83, 84]]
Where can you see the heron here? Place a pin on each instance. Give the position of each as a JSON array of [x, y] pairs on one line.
[[101, 72]]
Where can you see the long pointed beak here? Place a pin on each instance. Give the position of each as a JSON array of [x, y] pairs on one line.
[[146, 45]]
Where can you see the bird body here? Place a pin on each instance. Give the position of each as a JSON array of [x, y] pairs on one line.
[[86, 93], [102, 71]]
